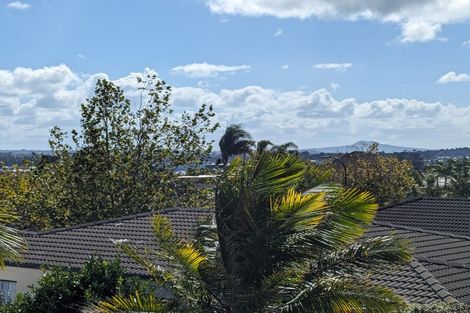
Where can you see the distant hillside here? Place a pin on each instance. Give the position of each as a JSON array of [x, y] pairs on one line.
[[361, 146], [11, 157], [26, 152]]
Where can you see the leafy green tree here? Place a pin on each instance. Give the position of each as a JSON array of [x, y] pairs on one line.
[[277, 248], [122, 160], [390, 180], [235, 141]]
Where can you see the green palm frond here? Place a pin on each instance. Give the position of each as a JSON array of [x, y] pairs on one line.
[[350, 214], [355, 207], [340, 295], [182, 277], [313, 176], [298, 212], [185, 254], [11, 244], [130, 304], [273, 174], [143, 258], [375, 251]]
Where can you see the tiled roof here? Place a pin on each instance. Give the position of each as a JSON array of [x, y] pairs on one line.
[[438, 214], [444, 257], [72, 246], [440, 231], [414, 283], [439, 272]]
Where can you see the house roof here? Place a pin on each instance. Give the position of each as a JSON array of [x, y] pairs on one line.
[[440, 231], [442, 261], [440, 270], [72, 246], [414, 283], [434, 214]]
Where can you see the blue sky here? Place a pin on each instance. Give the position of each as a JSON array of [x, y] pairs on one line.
[[319, 73]]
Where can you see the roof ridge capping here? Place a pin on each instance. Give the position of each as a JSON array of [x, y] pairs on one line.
[[410, 200], [109, 220], [415, 199], [435, 285], [421, 230], [441, 198]]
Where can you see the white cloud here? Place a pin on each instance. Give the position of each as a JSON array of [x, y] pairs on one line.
[[316, 118], [334, 86], [466, 43], [340, 67], [278, 33], [453, 77], [208, 70], [419, 31], [18, 5], [285, 67], [421, 20], [81, 56], [34, 100]]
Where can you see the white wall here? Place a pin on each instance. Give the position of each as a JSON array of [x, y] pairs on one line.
[[24, 277]]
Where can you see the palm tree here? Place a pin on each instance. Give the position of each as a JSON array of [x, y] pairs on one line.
[[235, 141], [460, 178], [443, 169], [288, 147], [277, 248], [263, 146], [11, 244]]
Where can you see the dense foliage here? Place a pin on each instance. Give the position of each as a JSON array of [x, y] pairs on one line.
[[11, 244], [273, 248], [390, 180], [63, 290], [449, 178], [437, 308], [121, 161]]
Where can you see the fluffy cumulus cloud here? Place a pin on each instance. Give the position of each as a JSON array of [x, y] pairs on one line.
[[453, 77], [340, 67], [417, 30], [317, 118], [420, 20], [18, 5], [208, 70], [34, 100]]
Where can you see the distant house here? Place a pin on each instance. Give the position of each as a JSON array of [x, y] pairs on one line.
[[439, 229]]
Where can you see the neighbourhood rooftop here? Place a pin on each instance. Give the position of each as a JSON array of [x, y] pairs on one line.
[[440, 270]]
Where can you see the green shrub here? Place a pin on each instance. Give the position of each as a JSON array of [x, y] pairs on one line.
[[438, 308], [62, 290]]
